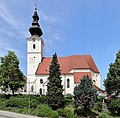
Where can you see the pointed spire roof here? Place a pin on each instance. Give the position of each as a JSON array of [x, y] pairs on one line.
[[35, 28]]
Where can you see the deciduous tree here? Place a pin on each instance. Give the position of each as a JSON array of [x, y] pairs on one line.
[[11, 77], [112, 83]]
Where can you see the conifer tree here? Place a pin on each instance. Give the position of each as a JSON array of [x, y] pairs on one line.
[[84, 94], [11, 77], [112, 83], [54, 87]]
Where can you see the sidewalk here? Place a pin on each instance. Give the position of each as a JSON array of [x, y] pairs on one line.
[[8, 114]]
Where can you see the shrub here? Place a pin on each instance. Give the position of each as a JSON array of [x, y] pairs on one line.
[[2, 103], [46, 111], [80, 112], [20, 101], [101, 98], [103, 115], [69, 96], [17, 102], [5, 96], [85, 113], [114, 106], [98, 106], [68, 101], [70, 114], [11, 103], [35, 111], [42, 99], [33, 103], [54, 114], [61, 112], [22, 110]]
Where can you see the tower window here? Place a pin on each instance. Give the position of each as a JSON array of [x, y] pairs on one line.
[[68, 83], [41, 81], [34, 46]]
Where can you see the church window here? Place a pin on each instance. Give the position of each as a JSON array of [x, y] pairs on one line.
[[34, 46], [94, 82], [41, 81], [32, 88], [68, 83], [40, 91]]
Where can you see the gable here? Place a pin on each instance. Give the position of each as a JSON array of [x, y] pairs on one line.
[[79, 75]]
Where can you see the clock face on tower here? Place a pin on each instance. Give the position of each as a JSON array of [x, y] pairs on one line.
[[33, 39]]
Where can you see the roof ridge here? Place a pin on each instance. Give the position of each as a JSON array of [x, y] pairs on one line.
[[71, 55]]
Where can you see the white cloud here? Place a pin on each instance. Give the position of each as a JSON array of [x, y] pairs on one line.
[[6, 45], [46, 18], [51, 40], [7, 16], [12, 21], [52, 36], [11, 29], [4, 48], [8, 33]]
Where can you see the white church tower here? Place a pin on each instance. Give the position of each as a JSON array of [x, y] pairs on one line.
[[35, 46]]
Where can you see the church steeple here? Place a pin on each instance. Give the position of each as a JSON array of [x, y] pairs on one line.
[[35, 28]]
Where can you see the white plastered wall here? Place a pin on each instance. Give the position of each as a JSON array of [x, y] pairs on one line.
[[96, 78], [34, 57], [64, 83], [37, 85]]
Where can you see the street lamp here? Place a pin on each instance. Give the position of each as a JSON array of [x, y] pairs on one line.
[[29, 97]]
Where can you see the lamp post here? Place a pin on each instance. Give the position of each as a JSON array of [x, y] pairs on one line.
[[29, 97]]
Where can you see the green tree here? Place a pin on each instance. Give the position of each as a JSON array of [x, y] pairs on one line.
[[112, 83], [85, 94], [54, 87], [11, 76]]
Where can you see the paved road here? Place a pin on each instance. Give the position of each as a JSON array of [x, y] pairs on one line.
[[7, 114]]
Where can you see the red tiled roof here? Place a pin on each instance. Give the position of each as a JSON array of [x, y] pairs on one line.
[[79, 75], [68, 63]]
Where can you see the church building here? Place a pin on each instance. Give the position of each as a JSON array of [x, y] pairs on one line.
[[72, 67]]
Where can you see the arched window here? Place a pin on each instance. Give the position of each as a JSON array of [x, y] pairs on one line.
[[34, 46], [40, 91], [68, 83], [41, 81], [94, 82], [32, 88]]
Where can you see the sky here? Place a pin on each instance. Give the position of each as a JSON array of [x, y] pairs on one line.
[[70, 27]]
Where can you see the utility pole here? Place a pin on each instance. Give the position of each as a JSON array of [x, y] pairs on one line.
[[29, 96]]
